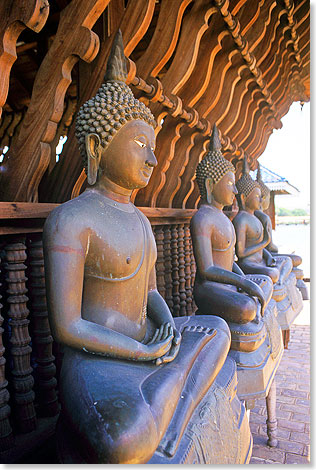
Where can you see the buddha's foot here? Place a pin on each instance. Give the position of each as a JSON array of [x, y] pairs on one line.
[[193, 391]]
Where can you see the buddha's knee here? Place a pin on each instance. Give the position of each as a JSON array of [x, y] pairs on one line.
[[296, 260], [124, 434], [248, 311], [274, 274]]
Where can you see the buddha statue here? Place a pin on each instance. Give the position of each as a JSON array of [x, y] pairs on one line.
[[221, 288], [253, 235], [136, 385], [271, 247]]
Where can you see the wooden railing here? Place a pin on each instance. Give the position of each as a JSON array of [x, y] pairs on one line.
[[29, 358]]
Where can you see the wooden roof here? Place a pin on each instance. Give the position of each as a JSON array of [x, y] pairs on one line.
[[238, 63]]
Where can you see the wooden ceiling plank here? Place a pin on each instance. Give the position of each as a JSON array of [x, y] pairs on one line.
[[164, 40], [30, 155], [15, 16]]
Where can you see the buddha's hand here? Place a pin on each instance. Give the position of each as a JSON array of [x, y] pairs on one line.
[[271, 262], [255, 291], [173, 351], [161, 342]]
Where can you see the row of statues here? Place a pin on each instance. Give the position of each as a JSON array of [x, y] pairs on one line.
[[137, 385]]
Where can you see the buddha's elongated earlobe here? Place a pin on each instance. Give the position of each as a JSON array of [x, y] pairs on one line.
[[242, 200], [209, 189], [94, 150]]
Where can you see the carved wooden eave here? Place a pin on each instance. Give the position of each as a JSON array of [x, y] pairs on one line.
[[238, 63]]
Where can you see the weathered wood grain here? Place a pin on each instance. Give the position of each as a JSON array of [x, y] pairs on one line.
[[15, 16]]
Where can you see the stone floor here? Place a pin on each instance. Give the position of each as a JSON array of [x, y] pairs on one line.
[[293, 403]]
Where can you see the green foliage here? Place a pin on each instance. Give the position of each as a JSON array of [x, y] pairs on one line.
[[281, 211]]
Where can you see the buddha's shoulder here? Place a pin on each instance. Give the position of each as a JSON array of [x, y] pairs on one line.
[[242, 217], [205, 216], [73, 215]]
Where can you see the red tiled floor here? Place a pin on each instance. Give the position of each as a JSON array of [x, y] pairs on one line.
[[293, 406]]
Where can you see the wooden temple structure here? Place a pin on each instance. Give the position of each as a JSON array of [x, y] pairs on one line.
[[237, 63]]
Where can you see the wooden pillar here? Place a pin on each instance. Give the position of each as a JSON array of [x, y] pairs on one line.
[[193, 270], [272, 422], [168, 267], [160, 267], [182, 291], [22, 380], [187, 268], [6, 436], [175, 271], [42, 339]]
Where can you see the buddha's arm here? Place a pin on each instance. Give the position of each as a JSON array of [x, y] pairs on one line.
[[64, 268], [270, 261], [159, 312], [265, 219], [205, 267], [242, 250]]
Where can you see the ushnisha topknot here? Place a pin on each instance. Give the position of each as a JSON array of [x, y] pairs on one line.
[[246, 184], [265, 191], [113, 105], [213, 165]]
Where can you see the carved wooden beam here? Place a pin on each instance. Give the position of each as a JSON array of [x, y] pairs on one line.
[[133, 21], [233, 26], [29, 157], [16, 15]]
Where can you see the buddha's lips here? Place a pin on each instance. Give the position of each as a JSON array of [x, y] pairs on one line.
[[147, 172]]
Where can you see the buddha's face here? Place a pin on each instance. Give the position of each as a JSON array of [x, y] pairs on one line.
[[253, 201], [129, 159], [224, 190], [265, 202]]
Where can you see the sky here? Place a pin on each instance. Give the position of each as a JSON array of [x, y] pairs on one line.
[[288, 154]]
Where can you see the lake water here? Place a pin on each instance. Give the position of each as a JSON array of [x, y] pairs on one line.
[[294, 238]]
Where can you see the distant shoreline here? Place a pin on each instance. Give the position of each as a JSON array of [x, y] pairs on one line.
[[292, 219]]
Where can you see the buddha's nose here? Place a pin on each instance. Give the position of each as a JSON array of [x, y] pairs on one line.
[[151, 159]]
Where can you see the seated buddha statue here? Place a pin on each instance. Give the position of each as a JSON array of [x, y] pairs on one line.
[[132, 377], [271, 247], [253, 235], [221, 288]]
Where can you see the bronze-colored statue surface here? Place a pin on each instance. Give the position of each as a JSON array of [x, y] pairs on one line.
[[271, 247], [103, 301], [254, 234], [220, 287]]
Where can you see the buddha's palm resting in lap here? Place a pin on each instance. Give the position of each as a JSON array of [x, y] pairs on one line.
[[221, 288], [103, 301]]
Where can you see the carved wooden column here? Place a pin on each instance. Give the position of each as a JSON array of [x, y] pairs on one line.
[[160, 267], [22, 380], [45, 369], [168, 267], [175, 271], [6, 436], [187, 269], [193, 270], [182, 292]]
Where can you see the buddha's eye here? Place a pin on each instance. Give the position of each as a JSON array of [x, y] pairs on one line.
[[230, 183], [140, 143]]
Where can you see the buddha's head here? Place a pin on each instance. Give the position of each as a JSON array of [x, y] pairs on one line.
[[115, 130], [249, 193], [265, 191], [215, 175]]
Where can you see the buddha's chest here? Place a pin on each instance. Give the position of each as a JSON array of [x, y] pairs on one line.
[[119, 247], [223, 235], [255, 229]]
